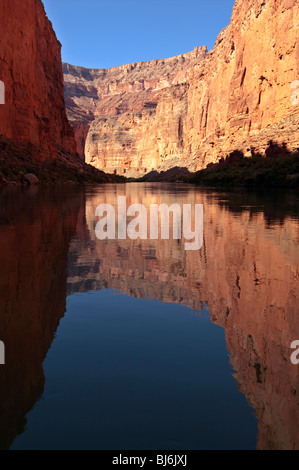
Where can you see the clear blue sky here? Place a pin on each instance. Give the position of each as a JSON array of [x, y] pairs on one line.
[[108, 33]]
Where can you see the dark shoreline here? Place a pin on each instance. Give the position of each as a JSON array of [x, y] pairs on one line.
[[277, 169], [252, 173], [16, 162]]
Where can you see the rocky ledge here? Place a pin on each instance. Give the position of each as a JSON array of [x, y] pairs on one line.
[[18, 167]]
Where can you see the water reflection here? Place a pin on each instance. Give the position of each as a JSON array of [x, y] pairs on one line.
[[247, 275], [35, 231]]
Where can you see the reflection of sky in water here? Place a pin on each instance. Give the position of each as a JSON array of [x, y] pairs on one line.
[[125, 373], [245, 276]]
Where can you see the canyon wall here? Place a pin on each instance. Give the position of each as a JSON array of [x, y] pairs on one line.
[[115, 110], [33, 115], [241, 97], [193, 109]]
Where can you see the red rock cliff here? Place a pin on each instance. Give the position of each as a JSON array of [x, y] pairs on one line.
[[118, 110], [195, 108], [241, 97], [30, 66]]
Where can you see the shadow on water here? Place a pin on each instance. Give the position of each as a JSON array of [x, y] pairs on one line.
[[35, 231], [246, 275]]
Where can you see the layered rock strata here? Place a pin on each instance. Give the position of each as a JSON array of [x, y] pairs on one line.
[[113, 111], [33, 115], [191, 110]]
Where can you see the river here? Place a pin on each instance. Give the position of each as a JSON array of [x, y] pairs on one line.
[[142, 344]]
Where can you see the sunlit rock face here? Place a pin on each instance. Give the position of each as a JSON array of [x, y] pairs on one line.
[[113, 111], [246, 273], [241, 97], [33, 115], [35, 232], [195, 108]]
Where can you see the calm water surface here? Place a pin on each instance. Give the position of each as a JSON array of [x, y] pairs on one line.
[[140, 344]]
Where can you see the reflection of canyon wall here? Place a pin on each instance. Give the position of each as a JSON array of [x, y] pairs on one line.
[[30, 66], [248, 275], [193, 109], [35, 232]]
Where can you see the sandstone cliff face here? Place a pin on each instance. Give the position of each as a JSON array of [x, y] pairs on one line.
[[127, 116], [30, 66], [243, 91], [193, 109]]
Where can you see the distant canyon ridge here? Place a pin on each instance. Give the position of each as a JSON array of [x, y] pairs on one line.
[[193, 109]]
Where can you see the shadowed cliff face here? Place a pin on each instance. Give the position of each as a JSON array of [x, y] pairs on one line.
[[30, 66], [246, 273], [191, 110], [35, 230]]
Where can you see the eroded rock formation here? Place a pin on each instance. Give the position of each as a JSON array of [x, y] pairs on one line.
[[33, 115], [115, 110], [195, 108]]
